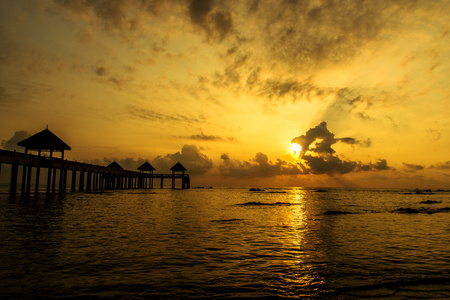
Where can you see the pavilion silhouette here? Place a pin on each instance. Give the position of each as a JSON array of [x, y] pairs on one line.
[[90, 177]]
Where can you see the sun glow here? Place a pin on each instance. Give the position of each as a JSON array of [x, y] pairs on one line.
[[295, 149]]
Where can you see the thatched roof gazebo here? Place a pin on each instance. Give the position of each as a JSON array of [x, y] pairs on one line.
[[178, 168], [114, 165], [44, 141], [146, 167]]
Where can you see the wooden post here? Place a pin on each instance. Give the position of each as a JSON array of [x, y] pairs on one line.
[[81, 188], [151, 181], [49, 179], [13, 183], [54, 180], [24, 177], [173, 179], [36, 184], [30, 168], [38, 171], [101, 183], [89, 181], [162, 184], [61, 179], [94, 184], [64, 180], [74, 181]]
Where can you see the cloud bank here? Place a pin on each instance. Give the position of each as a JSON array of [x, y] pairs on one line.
[[190, 157], [11, 144], [320, 158]]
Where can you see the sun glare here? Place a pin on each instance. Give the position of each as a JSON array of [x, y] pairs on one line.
[[295, 149]]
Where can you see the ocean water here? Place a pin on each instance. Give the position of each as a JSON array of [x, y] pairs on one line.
[[226, 243]]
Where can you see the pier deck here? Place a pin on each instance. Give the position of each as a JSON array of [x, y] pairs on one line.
[[84, 177]]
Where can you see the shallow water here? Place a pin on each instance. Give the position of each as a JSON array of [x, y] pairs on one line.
[[226, 243]]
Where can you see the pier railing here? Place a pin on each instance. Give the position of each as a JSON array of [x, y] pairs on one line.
[[84, 177]]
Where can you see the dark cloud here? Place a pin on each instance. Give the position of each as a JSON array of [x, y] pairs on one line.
[[100, 71], [348, 140], [113, 14], [434, 134], [11, 144], [319, 157], [330, 164], [351, 102], [413, 167], [260, 166], [190, 157], [318, 138], [156, 116], [312, 32], [441, 166], [208, 138], [215, 22], [288, 88], [380, 165]]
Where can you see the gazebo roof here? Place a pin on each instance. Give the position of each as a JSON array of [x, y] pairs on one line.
[[44, 140], [114, 165], [178, 167], [146, 167]]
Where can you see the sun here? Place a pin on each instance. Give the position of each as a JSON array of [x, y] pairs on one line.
[[295, 149]]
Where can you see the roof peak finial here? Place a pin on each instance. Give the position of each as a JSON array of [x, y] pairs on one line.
[[46, 127]]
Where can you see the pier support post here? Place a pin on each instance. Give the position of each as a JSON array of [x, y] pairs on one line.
[[24, 177], [81, 187], [61, 180], [36, 184], [13, 182], [74, 181], [49, 179], [64, 180], [54, 180], [101, 181], [89, 181], [162, 184], [30, 168]]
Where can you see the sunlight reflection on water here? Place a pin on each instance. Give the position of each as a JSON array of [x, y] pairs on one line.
[[223, 243]]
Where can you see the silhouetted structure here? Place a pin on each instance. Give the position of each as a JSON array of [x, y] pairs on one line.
[[146, 167], [44, 141], [115, 165], [179, 168], [90, 177]]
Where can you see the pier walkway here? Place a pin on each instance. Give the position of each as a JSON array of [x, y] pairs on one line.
[[83, 177]]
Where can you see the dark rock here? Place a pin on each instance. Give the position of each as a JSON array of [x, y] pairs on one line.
[[336, 212], [430, 202]]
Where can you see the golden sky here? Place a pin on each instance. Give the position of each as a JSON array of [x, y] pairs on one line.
[[224, 87]]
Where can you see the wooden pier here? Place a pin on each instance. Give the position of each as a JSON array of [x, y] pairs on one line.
[[83, 177]]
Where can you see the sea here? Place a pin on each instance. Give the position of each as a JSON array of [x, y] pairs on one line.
[[226, 243]]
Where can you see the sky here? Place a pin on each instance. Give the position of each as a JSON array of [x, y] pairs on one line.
[[242, 93]]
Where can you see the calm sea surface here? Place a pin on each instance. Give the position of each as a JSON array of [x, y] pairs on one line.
[[226, 243]]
